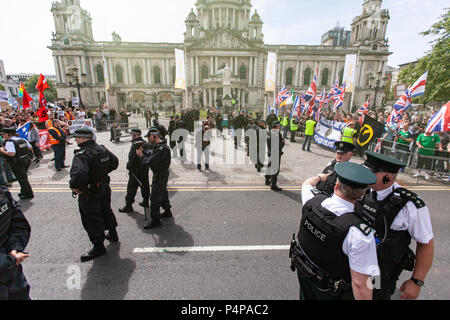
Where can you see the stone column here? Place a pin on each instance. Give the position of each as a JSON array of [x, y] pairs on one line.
[[150, 72], [197, 78], [297, 76], [58, 72], [125, 71], [61, 69], [130, 72], [250, 73], [255, 72], [227, 16], [213, 18], [300, 81], [233, 24], [169, 73], [211, 70], [216, 68], [235, 67], [192, 71], [220, 17], [145, 69], [111, 71]]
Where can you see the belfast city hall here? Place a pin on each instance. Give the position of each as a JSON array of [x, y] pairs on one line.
[[219, 33]]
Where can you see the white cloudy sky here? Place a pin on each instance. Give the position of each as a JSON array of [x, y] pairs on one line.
[[26, 25]]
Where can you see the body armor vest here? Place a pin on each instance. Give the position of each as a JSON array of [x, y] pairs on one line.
[[98, 159], [328, 185], [5, 216], [383, 213], [321, 236], [21, 148]]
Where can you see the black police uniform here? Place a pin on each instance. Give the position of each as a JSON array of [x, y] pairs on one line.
[[138, 177], [272, 177], [158, 159], [181, 140], [172, 128], [261, 137], [14, 235], [394, 253], [327, 186], [19, 166], [90, 171], [162, 130]]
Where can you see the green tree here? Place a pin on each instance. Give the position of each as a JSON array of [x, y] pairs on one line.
[[50, 94], [437, 62], [2, 88]]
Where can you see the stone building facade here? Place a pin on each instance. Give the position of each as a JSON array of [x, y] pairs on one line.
[[218, 33]]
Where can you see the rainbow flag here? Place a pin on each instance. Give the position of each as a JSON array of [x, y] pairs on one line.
[[26, 98]]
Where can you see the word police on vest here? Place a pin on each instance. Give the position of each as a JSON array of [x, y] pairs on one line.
[[315, 231]]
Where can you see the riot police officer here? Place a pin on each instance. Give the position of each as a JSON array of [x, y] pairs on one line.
[[397, 215], [158, 159], [336, 252], [261, 137], [273, 172], [17, 152], [162, 130], [14, 236], [89, 179], [343, 154], [138, 175]]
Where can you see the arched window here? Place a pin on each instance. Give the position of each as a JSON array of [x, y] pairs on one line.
[[119, 74], [341, 76], [99, 72], [205, 74], [289, 75], [157, 74], [174, 74], [243, 72], [138, 74], [307, 77], [325, 76]]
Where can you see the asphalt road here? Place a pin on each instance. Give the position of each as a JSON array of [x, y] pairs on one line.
[[223, 216]]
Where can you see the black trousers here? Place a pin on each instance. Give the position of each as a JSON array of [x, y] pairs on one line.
[[133, 186], [14, 285], [293, 135], [309, 291], [60, 152], [97, 215], [273, 178], [160, 195], [20, 169], [36, 150]]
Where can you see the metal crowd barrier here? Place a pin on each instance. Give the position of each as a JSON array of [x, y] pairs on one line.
[[438, 165], [117, 133]]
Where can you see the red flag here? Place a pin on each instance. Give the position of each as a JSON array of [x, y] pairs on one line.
[[42, 112], [42, 85], [26, 99]]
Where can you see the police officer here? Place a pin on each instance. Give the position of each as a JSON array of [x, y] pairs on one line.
[[14, 236], [261, 137], [158, 159], [250, 131], [336, 252], [17, 152], [293, 127], [398, 215], [273, 172], [172, 128], [138, 175], [162, 130], [89, 179], [343, 154]]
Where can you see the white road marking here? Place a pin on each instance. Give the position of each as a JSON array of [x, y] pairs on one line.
[[210, 249]]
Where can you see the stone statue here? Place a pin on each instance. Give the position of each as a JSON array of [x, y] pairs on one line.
[[227, 76]]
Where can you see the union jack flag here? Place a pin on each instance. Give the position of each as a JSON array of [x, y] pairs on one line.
[[365, 108], [296, 106], [440, 122], [339, 102], [283, 95], [378, 146], [395, 117], [311, 93], [418, 88]]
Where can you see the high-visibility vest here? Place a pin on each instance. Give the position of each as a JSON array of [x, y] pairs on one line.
[[280, 118], [309, 131], [53, 141], [294, 126], [347, 134], [285, 122]]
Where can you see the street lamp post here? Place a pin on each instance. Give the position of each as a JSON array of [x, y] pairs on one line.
[[378, 82], [74, 81]]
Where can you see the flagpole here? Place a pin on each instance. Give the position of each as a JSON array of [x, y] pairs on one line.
[[185, 75], [354, 85]]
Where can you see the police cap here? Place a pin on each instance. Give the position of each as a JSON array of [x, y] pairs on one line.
[[276, 124], [152, 131], [155, 122], [136, 131], [344, 147], [382, 163], [354, 175], [83, 133]]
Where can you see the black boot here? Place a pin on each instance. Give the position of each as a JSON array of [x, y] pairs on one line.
[[207, 167], [199, 167], [144, 204], [276, 188], [267, 182], [167, 214], [112, 236], [95, 252], [127, 209], [152, 225]]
